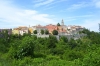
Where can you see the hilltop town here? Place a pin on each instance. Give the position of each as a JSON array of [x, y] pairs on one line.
[[44, 31], [50, 45]]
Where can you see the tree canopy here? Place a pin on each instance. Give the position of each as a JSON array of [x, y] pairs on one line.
[[55, 32], [31, 50], [46, 32], [42, 32], [35, 31], [58, 24]]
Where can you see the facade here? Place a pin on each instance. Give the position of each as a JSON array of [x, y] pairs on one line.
[[30, 30], [20, 30], [51, 27], [15, 32], [74, 29], [39, 28], [62, 29], [9, 31], [23, 30]]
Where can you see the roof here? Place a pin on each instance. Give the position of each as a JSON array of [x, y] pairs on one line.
[[21, 28]]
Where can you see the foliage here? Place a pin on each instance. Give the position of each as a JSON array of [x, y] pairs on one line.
[[64, 39], [72, 43], [58, 24], [26, 48], [46, 32], [55, 32], [94, 36], [35, 31], [29, 50], [42, 32]]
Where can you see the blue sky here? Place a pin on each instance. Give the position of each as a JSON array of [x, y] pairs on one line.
[[14, 13]]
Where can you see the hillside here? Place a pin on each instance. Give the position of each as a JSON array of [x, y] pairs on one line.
[[27, 50]]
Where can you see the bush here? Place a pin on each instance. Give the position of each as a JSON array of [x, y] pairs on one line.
[[72, 55], [55, 32]]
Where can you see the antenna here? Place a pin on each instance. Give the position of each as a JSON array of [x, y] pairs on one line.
[[99, 27]]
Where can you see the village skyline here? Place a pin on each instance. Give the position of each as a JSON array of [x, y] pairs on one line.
[[60, 29], [15, 13]]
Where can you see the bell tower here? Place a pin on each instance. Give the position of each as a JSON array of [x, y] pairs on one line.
[[62, 22]]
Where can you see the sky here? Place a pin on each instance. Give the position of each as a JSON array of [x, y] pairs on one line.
[[85, 13]]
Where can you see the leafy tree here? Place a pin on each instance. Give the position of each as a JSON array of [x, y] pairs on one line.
[[5, 38], [51, 42], [55, 32], [46, 32], [64, 39], [25, 48], [29, 50], [72, 43], [60, 48], [94, 36], [58, 24], [72, 55], [35, 31], [2, 46], [42, 32]]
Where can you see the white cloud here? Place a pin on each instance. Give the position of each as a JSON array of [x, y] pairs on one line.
[[80, 5], [11, 16], [38, 1], [81, 16], [47, 4], [55, 2], [77, 6], [43, 3], [96, 3], [91, 24]]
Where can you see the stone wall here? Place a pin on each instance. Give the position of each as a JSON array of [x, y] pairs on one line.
[[75, 36], [43, 36]]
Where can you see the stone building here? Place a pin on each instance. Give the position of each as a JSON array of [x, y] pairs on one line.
[[51, 27], [39, 28], [20, 30], [7, 31]]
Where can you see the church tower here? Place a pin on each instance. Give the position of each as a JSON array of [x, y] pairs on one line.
[[62, 22]]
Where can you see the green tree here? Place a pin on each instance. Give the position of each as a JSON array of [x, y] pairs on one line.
[[60, 48], [26, 48], [46, 32], [72, 55], [42, 32], [58, 24], [35, 31], [51, 42], [55, 32], [72, 43], [64, 39], [22, 49]]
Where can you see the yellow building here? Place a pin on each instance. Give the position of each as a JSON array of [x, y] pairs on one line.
[[30, 30], [20, 30], [15, 32]]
